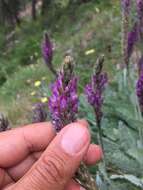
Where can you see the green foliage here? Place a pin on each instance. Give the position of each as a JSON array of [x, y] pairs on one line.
[[23, 79], [23, 48], [121, 135]]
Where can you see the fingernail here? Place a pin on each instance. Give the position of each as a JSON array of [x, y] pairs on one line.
[[74, 139]]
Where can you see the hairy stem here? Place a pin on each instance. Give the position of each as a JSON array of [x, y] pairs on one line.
[[85, 179], [100, 140], [53, 71]]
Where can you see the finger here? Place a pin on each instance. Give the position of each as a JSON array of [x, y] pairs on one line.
[[4, 178], [23, 141], [94, 154], [59, 162], [22, 168], [72, 185]]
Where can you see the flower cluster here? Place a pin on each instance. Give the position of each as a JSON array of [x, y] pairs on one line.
[[140, 9], [94, 91], [126, 5], [139, 85], [132, 39], [47, 49], [39, 113], [140, 17], [63, 104], [139, 91]]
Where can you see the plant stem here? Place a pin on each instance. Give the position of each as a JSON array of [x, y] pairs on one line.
[[52, 69], [100, 140], [125, 26], [85, 179]]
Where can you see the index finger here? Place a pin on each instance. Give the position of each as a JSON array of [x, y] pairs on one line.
[[17, 144]]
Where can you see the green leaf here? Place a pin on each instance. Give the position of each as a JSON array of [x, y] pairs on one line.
[[137, 153], [131, 178]]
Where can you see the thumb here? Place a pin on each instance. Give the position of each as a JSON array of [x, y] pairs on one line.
[[59, 162]]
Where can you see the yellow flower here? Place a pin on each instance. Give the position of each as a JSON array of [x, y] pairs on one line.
[[88, 52], [37, 83], [44, 99], [33, 93]]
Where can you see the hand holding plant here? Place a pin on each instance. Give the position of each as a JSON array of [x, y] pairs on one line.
[[48, 161]]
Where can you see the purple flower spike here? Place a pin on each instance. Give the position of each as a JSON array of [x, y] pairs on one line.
[[140, 8], [139, 91], [126, 5], [140, 17], [39, 113], [47, 52], [47, 49], [94, 90], [132, 39], [63, 104]]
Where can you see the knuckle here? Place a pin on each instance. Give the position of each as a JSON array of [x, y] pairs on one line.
[[52, 169]]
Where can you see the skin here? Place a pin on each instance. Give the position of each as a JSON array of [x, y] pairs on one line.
[[34, 157]]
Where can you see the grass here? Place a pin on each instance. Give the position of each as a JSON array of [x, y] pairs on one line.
[[92, 26]]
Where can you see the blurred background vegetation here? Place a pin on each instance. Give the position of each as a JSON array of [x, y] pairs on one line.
[[75, 26]]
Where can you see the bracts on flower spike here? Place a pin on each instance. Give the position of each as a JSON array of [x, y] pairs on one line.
[[39, 113], [132, 39], [140, 10], [63, 106], [126, 5], [139, 92], [139, 85], [94, 92], [47, 52], [140, 17]]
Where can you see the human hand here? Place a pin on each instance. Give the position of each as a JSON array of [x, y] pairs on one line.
[[35, 158]]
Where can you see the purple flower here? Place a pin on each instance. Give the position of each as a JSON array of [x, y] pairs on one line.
[[39, 113], [126, 5], [140, 8], [140, 17], [139, 91], [94, 92], [47, 49], [47, 52], [132, 39], [63, 104]]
